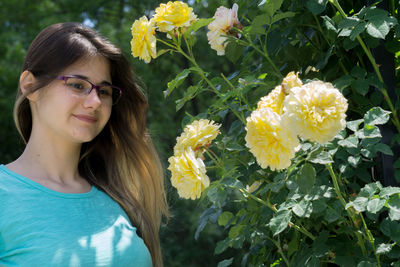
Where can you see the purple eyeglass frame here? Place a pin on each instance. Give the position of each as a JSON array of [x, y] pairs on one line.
[[96, 87]]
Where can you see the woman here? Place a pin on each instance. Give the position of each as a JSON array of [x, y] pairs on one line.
[[88, 188]]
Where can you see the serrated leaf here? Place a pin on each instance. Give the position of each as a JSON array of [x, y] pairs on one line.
[[351, 141], [321, 158], [347, 25], [394, 207], [360, 204], [280, 221], [375, 205], [306, 178], [376, 116], [388, 191], [370, 189], [303, 209], [316, 6], [383, 248], [353, 125]]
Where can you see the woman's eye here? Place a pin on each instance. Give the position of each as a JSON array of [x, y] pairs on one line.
[[105, 91], [78, 86]]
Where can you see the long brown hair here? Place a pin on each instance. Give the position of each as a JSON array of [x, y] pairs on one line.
[[121, 160]]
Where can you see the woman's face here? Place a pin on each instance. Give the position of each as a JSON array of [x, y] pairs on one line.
[[59, 112]]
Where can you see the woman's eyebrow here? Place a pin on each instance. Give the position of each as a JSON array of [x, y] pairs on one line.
[[87, 78]]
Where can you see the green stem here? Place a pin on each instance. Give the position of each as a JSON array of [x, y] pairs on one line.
[[298, 228], [349, 211], [280, 251], [371, 239], [264, 54]]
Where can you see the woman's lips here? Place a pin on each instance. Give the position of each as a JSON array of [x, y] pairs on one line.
[[86, 118]]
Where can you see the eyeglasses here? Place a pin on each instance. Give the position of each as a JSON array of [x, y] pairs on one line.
[[107, 93]]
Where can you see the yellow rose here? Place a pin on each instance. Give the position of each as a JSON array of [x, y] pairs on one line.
[[188, 174], [196, 135], [224, 20], [143, 43], [291, 80], [273, 100], [173, 15], [269, 139], [316, 111]]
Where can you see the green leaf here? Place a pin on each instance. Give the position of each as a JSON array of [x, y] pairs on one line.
[[379, 22], [189, 94], [391, 229], [329, 24], [236, 231], [343, 82], [224, 218], [321, 158], [280, 16], [280, 221], [225, 263], [353, 125], [394, 207], [354, 160], [383, 248], [306, 178], [366, 264], [358, 72], [303, 209], [361, 86], [351, 141], [376, 116], [383, 148], [375, 205], [388, 191], [233, 51], [272, 6], [347, 25], [197, 25], [177, 81], [222, 246], [358, 29], [316, 6], [257, 24], [360, 204], [370, 189]]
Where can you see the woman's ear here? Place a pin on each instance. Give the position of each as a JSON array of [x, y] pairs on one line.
[[26, 82]]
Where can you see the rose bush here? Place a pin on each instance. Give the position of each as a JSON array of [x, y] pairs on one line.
[[292, 170]]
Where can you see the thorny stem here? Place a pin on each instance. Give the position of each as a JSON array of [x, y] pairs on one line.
[[371, 239], [349, 211], [367, 51]]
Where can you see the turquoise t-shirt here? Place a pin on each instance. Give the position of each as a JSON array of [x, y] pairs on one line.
[[42, 227]]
